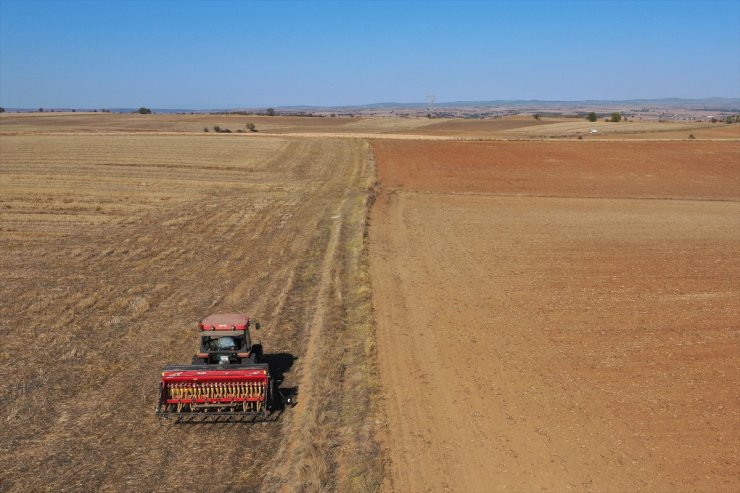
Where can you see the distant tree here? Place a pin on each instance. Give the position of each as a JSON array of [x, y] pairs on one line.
[[41, 110], [616, 117], [729, 119], [144, 111], [714, 120], [2, 110], [592, 117], [216, 128], [536, 117], [251, 127], [270, 112]]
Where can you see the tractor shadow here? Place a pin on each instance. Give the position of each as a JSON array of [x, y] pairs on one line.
[[280, 364]]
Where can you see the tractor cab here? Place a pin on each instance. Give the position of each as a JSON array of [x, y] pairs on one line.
[[225, 339]]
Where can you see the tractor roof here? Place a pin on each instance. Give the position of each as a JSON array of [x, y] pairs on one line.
[[225, 321]]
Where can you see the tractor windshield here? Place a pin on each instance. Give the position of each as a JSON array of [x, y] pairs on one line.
[[226, 343]]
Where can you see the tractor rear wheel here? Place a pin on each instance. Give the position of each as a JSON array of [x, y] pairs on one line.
[[256, 355]]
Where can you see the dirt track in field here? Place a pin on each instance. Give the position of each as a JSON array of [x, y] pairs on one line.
[[112, 248], [558, 316]]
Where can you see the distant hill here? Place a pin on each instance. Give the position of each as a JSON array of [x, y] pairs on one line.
[[731, 105], [718, 104]]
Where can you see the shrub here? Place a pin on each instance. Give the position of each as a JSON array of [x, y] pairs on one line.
[[270, 112], [691, 136], [205, 129], [592, 117], [251, 127], [616, 117], [143, 111], [536, 117], [216, 128]]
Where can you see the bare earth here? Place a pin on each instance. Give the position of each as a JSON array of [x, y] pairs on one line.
[[570, 325]]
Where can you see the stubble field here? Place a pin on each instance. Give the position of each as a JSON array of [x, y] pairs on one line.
[[113, 247]]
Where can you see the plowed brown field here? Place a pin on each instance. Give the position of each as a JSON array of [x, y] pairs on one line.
[[701, 170], [559, 316]]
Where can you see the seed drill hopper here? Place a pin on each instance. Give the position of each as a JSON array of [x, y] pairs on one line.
[[227, 381]]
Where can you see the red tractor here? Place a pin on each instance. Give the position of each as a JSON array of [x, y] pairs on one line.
[[227, 379]]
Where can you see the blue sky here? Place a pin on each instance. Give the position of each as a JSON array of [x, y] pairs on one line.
[[199, 55]]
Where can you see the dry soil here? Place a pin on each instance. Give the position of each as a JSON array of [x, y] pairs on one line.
[[558, 316]]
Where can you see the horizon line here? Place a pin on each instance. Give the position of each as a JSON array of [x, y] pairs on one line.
[[389, 104]]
